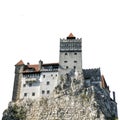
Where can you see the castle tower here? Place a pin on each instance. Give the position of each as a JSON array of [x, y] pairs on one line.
[[70, 56], [17, 80]]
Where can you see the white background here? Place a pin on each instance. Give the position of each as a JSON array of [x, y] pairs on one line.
[[30, 30]]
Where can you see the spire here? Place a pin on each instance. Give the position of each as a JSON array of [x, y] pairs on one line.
[[71, 36], [20, 63]]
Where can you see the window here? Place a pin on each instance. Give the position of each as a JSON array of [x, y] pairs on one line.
[[75, 53], [56, 75], [74, 67], [28, 76], [24, 85], [48, 82], [51, 75], [48, 92], [65, 61], [75, 61], [33, 94], [30, 84], [43, 76], [65, 53], [25, 94], [66, 67], [43, 92]]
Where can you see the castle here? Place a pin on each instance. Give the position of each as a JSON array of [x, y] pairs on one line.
[[39, 80]]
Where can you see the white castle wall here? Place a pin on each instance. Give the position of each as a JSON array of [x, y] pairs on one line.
[[48, 81], [69, 61], [39, 86], [32, 89]]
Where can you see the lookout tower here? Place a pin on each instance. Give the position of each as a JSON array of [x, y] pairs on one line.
[[70, 57]]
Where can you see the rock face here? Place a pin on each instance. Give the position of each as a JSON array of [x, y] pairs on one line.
[[70, 101]]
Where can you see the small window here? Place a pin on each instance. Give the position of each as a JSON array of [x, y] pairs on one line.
[[33, 94], [48, 82], [48, 92], [66, 67], [51, 75], [24, 85], [56, 75], [43, 76], [43, 92], [74, 67], [75, 61], [65, 61], [65, 53], [25, 94], [30, 84], [28, 76], [75, 53]]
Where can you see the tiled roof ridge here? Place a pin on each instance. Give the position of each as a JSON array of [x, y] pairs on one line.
[[50, 63], [32, 64]]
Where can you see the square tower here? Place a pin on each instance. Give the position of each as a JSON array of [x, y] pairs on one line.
[[70, 56]]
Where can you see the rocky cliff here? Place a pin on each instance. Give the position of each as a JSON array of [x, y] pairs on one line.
[[70, 101]]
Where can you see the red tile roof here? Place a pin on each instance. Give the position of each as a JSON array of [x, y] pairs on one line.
[[35, 66], [20, 63], [50, 64], [71, 35], [104, 84]]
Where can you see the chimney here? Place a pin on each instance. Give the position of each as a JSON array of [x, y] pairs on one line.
[[40, 64], [114, 96], [28, 63]]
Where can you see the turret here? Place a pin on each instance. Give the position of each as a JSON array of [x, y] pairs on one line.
[[17, 80]]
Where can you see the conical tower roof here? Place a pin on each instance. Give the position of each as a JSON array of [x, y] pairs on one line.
[[71, 36], [20, 63]]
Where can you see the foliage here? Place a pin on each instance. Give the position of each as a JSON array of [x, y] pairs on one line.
[[14, 113]]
